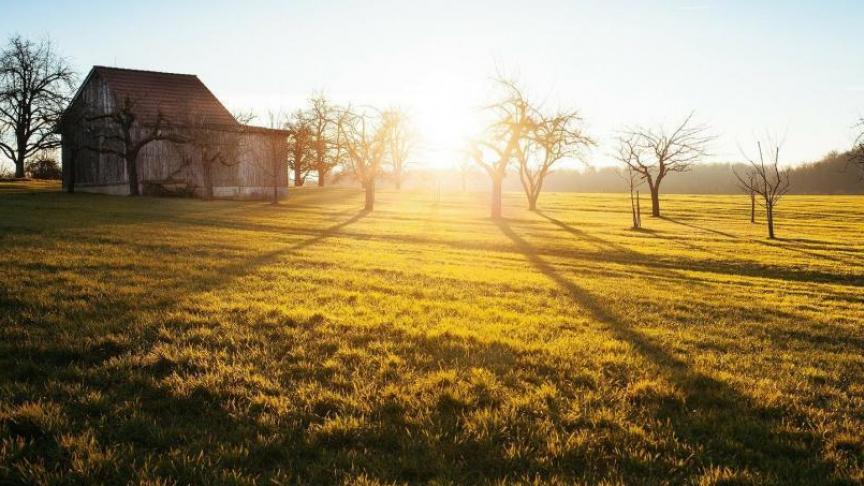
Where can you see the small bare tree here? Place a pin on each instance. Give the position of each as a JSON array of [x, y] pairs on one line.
[[751, 182], [301, 152], [656, 153], [401, 144], [365, 135], [766, 180], [857, 154], [633, 181], [274, 164], [511, 120], [325, 136], [122, 132], [465, 167], [551, 138], [35, 86]]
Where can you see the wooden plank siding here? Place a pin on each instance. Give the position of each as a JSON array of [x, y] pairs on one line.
[[251, 176]]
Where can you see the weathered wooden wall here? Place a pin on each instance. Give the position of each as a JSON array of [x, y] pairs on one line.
[[94, 171]]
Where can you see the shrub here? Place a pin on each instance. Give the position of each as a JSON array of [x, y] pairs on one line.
[[44, 168]]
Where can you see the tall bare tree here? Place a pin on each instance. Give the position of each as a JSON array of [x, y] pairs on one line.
[[301, 148], [496, 149], [551, 138], [366, 143], [656, 153], [122, 132], [401, 144], [35, 86], [765, 179]]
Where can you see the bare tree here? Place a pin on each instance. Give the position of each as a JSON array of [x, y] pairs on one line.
[[301, 148], [751, 181], [212, 146], [366, 142], [633, 181], [511, 120], [401, 143], [274, 164], [767, 180], [551, 138], [857, 154], [325, 136], [656, 153], [35, 86], [122, 132], [465, 167], [244, 117]]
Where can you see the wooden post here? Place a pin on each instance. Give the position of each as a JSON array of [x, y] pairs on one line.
[[752, 207]]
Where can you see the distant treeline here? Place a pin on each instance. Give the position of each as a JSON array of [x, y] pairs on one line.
[[835, 174]]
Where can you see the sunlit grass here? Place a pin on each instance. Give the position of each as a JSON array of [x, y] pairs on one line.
[[157, 339]]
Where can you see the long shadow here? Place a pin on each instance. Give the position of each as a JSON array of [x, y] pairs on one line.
[[600, 242], [42, 361], [224, 275], [732, 431], [774, 244], [813, 254], [747, 269], [700, 228]]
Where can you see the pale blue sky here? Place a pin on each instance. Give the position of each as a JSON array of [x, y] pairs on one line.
[[745, 67]]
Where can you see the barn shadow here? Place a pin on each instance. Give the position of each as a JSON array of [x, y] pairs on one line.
[[730, 429]]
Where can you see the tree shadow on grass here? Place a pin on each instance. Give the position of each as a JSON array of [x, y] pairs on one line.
[[68, 357], [730, 429], [700, 228]]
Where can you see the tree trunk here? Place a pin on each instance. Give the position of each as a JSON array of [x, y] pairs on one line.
[[19, 165], [208, 182], [496, 197], [655, 200], [321, 175], [370, 195], [532, 202], [638, 210], [769, 213], [633, 209], [298, 177], [132, 174], [398, 183]]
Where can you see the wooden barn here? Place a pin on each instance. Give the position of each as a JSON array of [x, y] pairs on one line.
[[171, 134]]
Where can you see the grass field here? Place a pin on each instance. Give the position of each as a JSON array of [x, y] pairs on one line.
[[160, 341]]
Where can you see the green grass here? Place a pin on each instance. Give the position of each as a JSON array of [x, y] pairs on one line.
[[159, 341]]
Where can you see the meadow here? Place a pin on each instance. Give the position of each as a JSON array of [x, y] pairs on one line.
[[161, 341]]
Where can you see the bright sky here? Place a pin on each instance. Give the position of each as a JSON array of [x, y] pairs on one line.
[[745, 67]]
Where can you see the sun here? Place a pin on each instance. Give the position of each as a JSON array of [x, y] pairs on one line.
[[445, 121]]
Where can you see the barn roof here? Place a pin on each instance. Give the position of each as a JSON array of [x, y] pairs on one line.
[[174, 95]]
